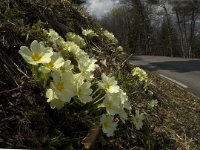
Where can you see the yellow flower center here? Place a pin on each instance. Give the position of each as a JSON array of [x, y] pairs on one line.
[[107, 86], [36, 57], [137, 119], [60, 86], [105, 125], [62, 69], [79, 91], [108, 104], [50, 65]]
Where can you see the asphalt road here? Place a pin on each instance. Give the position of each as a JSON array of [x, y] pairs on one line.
[[184, 72]]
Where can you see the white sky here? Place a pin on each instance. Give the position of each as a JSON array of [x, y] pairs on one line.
[[99, 8]]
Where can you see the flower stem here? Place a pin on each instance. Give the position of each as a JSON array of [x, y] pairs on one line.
[[95, 92], [98, 100]]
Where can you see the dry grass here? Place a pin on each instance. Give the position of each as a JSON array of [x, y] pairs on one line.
[[177, 115], [180, 112]]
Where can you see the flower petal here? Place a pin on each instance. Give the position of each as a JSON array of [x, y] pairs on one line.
[[35, 47], [25, 51], [59, 62], [44, 69]]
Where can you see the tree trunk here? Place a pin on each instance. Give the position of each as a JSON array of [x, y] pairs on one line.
[[169, 31], [186, 42], [181, 34], [192, 28]]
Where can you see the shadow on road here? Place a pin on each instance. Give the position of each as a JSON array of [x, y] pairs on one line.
[[175, 66]]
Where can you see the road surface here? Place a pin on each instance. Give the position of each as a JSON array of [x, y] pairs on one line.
[[184, 72]]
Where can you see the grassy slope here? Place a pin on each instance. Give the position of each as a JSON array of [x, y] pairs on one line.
[[178, 113], [176, 119], [26, 119]]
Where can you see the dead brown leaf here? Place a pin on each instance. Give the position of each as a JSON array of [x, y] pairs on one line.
[[89, 140]]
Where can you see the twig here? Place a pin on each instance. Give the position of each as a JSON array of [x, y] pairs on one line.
[[126, 60], [2, 82], [19, 69], [12, 76], [7, 91], [97, 48]]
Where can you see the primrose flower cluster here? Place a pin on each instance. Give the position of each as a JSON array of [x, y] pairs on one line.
[[89, 33], [115, 102], [67, 79], [110, 37], [140, 74]]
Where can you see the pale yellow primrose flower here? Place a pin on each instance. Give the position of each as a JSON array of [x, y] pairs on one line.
[[112, 103], [140, 73], [110, 36], [153, 103], [89, 33], [37, 53], [115, 103], [81, 54], [108, 125], [79, 79], [63, 85], [54, 35], [55, 38], [137, 120], [122, 114], [84, 91], [124, 100], [125, 104], [120, 49], [86, 64], [53, 100], [74, 49], [66, 67], [56, 62], [71, 47], [76, 39], [108, 84], [86, 75]]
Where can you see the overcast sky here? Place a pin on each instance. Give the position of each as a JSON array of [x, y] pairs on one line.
[[99, 8]]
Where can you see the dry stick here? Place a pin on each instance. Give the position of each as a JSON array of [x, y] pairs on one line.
[[12, 76], [97, 48], [95, 92], [2, 82], [98, 100], [5, 59], [19, 69], [126, 60], [14, 89]]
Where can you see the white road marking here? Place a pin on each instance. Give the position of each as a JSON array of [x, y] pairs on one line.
[[178, 83]]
